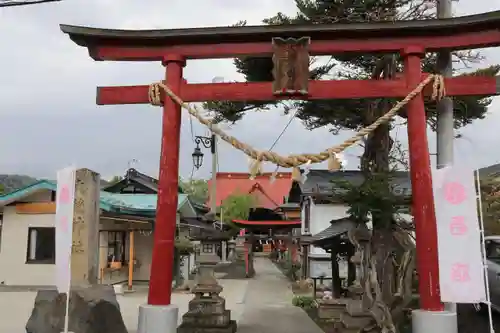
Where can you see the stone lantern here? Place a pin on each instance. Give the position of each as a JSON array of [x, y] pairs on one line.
[[207, 310], [232, 250]]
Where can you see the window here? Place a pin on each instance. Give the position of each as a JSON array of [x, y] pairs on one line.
[[207, 248], [116, 246], [41, 246], [492, 250]]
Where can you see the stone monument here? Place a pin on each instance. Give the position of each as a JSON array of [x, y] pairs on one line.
[[239, 247], [93, 308], [232, 256], [207, 311]]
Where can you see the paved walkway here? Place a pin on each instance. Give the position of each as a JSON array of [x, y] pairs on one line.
[[268, 304], [16, 307], [259, 305]]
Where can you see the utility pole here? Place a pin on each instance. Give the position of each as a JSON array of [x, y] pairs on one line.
[[444, 134], [445, 128]]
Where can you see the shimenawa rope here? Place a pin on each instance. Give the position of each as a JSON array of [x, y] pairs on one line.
[[294, 161]]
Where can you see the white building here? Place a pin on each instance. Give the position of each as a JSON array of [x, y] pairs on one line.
[[321, 203], [27, 235]]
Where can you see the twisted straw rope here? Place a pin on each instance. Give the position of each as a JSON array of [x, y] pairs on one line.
[[300, 159]]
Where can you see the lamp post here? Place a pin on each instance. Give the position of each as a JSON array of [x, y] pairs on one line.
[[207, 142]]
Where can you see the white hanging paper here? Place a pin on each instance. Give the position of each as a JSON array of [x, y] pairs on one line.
[[65, 197], [461, 273]]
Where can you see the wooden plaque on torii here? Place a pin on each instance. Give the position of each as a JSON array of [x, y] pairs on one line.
[[291, 66]]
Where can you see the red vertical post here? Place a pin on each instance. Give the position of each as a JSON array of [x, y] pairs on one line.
[[421, 182], [160, 285]]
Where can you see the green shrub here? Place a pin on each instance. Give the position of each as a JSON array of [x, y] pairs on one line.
[[304, 302]]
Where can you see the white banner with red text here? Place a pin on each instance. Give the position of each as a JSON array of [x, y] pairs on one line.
[[461, 267]]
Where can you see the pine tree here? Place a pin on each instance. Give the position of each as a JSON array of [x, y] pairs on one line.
[[374, 198]]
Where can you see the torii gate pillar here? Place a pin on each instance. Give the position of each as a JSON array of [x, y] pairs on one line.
[[431, 317], [159, 315]]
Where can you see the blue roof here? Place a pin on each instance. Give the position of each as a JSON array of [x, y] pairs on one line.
[[111, 202], [139, 202]]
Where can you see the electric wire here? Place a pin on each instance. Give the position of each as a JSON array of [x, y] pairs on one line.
[[281, 134], [283, 131], [9, 3]]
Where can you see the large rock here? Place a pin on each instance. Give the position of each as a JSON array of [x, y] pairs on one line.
[[91, 310]]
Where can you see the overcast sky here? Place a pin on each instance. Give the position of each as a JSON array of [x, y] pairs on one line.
[[48, 116]]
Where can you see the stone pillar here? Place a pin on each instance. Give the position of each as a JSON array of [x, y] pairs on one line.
[[249, 244], [207, 310], [240, 246], [287, 247], [196, 246], [224, 251], [92, 307], [305, 262], [232, 250], [85, 253]]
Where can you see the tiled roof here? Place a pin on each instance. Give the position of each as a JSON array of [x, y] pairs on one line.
[[133, 175], [336, 228], [269, 194], [145, 203], [244, 223], [323, 181], [142, 178], [142, 202]]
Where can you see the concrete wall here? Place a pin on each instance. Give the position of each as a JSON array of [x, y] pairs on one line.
[[143, 253], [13, 251], [320, 217]]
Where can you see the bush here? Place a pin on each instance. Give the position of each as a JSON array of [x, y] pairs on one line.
[[292, 271], [304, 302], [184, 246]]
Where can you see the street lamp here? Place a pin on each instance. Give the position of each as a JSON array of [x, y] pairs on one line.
[[197, 157], [207, 142]]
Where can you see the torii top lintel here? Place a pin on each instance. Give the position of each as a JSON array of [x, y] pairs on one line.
[[466, 32]]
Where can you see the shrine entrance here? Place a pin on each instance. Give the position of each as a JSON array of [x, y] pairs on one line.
[[273, 238], [291, 47]]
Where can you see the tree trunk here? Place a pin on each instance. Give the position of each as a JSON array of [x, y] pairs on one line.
[[380, 292]]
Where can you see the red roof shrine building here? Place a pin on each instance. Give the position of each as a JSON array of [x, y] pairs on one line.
[[269, 194]]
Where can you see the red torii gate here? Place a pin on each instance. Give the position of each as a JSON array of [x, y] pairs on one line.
[[409, 38]]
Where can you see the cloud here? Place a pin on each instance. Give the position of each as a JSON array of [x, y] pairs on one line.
[[47, 102]]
